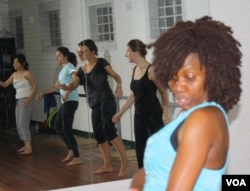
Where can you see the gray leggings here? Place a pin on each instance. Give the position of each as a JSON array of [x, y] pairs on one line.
[[23, 117]]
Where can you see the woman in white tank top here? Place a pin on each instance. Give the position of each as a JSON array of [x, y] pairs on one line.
[[25, 85]]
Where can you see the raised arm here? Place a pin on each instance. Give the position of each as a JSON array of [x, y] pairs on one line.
[[51, 89], [7, 82]]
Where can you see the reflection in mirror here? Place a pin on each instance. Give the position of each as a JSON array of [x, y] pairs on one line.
[[111, 30], [41, 26]]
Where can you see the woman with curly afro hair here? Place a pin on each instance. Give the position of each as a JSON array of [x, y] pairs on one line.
[[200, 63]]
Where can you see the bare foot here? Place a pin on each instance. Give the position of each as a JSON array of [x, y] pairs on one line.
[[21, 149], [104, 169], [69, 156], [26, 152], [75, 161], [123, 170]]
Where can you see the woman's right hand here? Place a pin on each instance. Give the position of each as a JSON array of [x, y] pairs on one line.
[[116, 117], [39, 96]]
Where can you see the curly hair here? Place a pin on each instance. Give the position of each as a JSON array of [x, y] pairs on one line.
[[218, 52]]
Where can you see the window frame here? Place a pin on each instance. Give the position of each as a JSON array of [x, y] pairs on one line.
[[92, 21], [54, 26], [50, 29], [15, 17], [19, 33], [155, 18]]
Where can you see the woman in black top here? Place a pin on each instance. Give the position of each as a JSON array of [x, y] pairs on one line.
[[94, 78], [149, 115]]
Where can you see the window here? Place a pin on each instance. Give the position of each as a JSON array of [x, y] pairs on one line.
[[101, 23], [54, 27], [163, 14], [50, 25], [170, 11], [105, 23], [19, 33], [16, 25]]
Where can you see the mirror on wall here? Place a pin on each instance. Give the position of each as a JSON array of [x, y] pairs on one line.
[[111, 24], [41, 26]]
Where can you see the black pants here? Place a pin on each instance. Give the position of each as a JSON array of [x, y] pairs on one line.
[[63, 125], [144, 127], [104, 128]]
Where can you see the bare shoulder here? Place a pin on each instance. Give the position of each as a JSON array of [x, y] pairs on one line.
[[151, 72], [208, 114], [28, 74], [205, 122], [205, 134], [151, 69]]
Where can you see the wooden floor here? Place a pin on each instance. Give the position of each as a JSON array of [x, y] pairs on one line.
[[44, 169]]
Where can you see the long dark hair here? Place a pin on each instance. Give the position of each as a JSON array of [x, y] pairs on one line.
[[71, 56], [22, 60]]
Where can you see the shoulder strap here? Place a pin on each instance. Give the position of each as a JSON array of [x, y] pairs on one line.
[[24, 76], [148, 68], [133, 72]]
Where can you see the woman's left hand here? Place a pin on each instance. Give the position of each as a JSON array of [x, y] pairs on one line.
[[165, 119], [118, 91], [26, 102]]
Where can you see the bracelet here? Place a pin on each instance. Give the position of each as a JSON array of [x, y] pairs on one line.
[[119, 86], [133, 189]]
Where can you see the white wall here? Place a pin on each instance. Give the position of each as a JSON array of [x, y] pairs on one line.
[[131, 21], [237, 14]]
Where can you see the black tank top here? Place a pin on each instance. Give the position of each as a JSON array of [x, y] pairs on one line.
[[144, 91]]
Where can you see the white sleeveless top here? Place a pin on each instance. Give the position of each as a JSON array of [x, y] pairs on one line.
[[22, 86]]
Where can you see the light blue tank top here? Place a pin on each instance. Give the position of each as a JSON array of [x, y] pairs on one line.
[[159, 157], [66, 78]]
